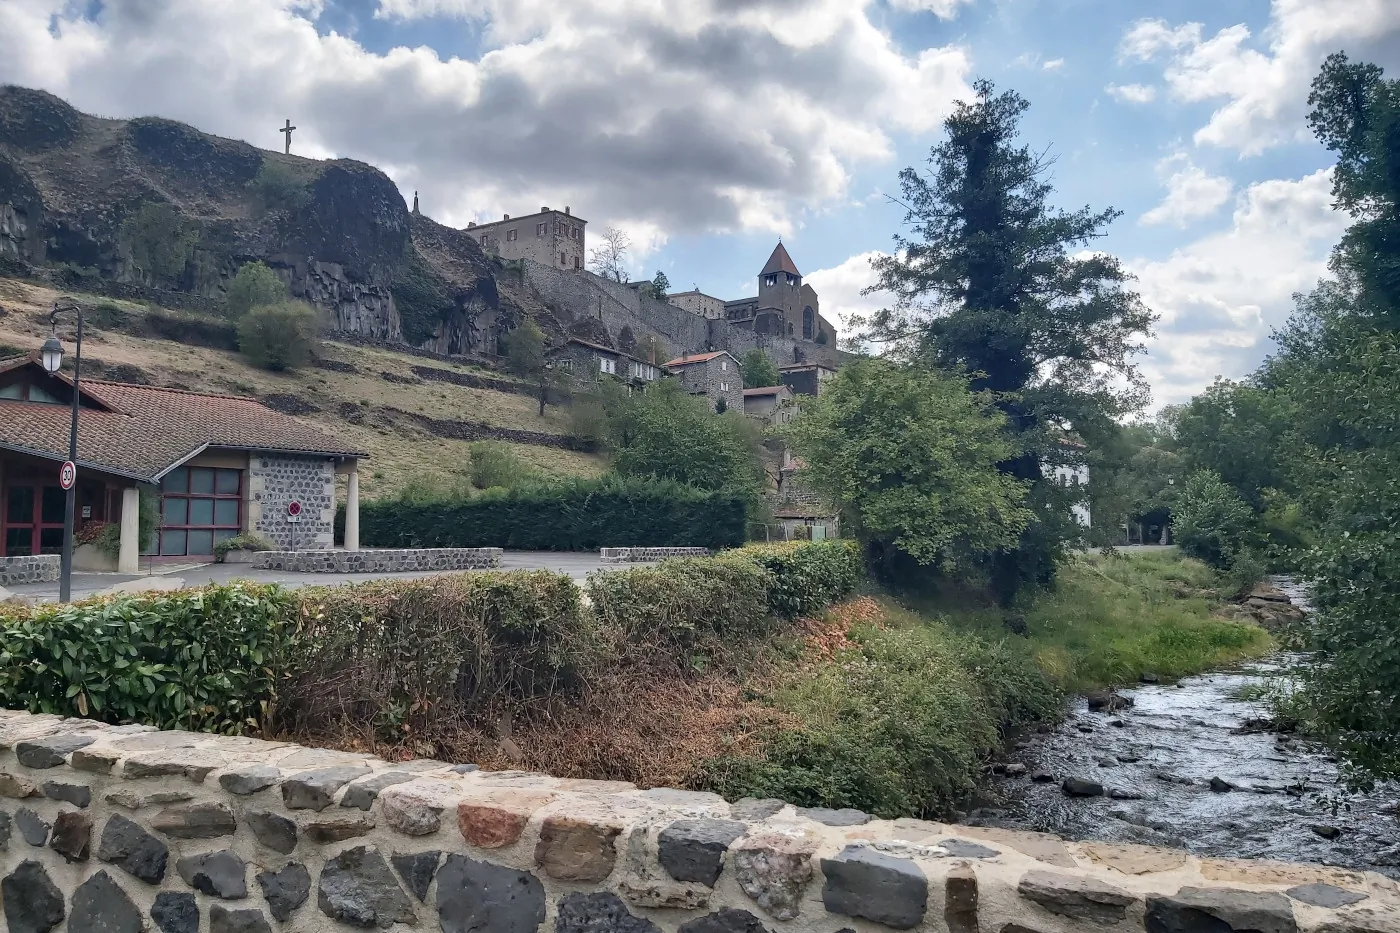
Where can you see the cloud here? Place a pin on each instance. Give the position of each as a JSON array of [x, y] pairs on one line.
[[943, 9], [1263, 84], [1054, 64], [839, 288], [1132, 93], [1192, 193], [1220, 296], [705, 116]]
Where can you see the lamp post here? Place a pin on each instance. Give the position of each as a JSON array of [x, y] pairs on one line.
[[51, 355]]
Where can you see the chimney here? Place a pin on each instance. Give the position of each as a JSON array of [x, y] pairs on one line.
[[544, 209], [566, 209], [507, 217], [470, 224]]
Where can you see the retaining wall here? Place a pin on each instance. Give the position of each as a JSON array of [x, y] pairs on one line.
[[386, 560], [124, 829], [41, 568], [619, 555]]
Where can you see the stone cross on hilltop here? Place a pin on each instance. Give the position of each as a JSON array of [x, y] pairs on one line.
[[288, 131]]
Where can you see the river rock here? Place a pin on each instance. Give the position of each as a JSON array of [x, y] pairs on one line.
[[861, 882], [101, 906], [285, 890], [598, 913], [1107, 701], [1147, 677], [72, 835], [1015, 769], [417, 870], [1325, 831], [1268, 593], [135, 851], [358, 888], [1201, 909], [693, 850], [175, 912], [1043, 777], [1081, 787], [32, 902], [220, 874], [1076, 897], [477, 896], [1220, 785]]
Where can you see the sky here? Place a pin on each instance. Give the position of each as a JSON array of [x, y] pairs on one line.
[[707, 129]]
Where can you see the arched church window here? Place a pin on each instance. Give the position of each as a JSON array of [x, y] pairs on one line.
[[809, 322]]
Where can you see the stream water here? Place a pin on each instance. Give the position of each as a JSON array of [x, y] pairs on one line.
[[1156, 760]]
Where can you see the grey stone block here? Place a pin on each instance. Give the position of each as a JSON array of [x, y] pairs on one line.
[[693, 850], [273, 830], [755, 811], [79, 795], [49, 751], [314, 790], [725, 920], [862, 882], [175, 912], [417, 870], [599, 913], [1208, 910], [249, 780], [220, 874], [358, 888], [72, 835], [476, 896], [361, 794], [132, 849], [101, 906], [843, 817], [961, 848], [285, 890], [1080, 898], [1325, 895], [33, 828], [32, 902], [223, 920], [195, 821]]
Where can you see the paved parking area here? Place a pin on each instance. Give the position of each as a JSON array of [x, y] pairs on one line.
[[576, 565]]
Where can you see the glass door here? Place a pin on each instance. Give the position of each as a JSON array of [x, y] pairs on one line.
[[33, 520]]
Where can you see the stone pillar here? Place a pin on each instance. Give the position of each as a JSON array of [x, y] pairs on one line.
[[129, 556], [352, 508]]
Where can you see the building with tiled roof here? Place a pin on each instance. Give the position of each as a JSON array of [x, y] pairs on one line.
[[714, 375], [221, 465]]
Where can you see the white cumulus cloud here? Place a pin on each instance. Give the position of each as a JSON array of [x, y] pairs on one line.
[[840, 288], [1192, 193], [1132, 93]]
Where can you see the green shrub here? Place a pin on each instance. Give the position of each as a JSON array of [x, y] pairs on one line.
[[159, 241], [197, 659], [577, 515], [279, 337], [1212, 522], [496, 466], [277, 187], [682, 609], [808, 577], [254, 285], [244, 542], [408, 655]]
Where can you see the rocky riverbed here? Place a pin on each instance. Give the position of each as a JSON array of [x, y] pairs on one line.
[[1194, 765]]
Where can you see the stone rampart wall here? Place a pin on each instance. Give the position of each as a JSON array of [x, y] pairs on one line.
[[125, 829], [41, 568], [395, 560], [622, 555]]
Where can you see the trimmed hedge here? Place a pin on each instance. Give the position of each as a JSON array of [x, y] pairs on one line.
[[197, 659], [808, 577], [406, 654], [579, 515]]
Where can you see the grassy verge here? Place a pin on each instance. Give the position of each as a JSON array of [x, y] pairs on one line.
[[897, 718]]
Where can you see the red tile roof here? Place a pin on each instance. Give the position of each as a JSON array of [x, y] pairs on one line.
[[150, 429], [698, 358], [780, 261]]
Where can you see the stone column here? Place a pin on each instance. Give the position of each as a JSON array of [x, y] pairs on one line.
[[352, 508], [129, 556]]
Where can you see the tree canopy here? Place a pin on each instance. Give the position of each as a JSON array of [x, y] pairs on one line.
[[759, 371], [254, 285]]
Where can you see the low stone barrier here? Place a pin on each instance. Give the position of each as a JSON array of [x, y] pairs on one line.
[[41, 568], [104, 827], [395, 560], [622, 555]]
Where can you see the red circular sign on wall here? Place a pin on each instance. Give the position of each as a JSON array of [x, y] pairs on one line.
[[67, 474], [294, 507]]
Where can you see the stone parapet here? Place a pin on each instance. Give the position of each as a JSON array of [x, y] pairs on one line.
[[396, 560], [622, 555], [41, 568], [124, 829]]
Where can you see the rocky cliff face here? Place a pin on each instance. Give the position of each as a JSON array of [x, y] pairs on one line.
[[339, 232]]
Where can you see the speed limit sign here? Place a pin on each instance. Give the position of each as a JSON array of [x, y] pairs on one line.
[[67, 474]]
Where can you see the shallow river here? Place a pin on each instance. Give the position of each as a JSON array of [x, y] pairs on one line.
[[1166, 749]]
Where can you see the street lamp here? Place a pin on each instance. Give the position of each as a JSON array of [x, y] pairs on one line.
[[51, 356]]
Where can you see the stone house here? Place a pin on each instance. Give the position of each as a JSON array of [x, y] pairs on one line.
[[550, 238], [714, 375], [770, 404], [587, 363], [221, 465], [805, 378], [697, 302]]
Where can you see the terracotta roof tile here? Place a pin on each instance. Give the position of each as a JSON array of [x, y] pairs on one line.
[[152, 429], [780, 261], [697, 358]]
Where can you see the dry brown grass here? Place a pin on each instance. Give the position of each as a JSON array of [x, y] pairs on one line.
[[399, 453]]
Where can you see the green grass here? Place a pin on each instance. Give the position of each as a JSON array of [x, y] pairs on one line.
[[900, 723]]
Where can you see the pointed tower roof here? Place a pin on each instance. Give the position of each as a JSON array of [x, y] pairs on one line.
[[780, 261]]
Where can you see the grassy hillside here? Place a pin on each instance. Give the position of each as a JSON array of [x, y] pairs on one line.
[[415, 423]]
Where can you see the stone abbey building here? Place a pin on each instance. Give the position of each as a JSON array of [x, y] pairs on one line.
[[785, 306]]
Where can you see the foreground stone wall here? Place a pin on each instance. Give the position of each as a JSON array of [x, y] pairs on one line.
[[124, 829], [620, 555], [41, 568], [395, 560]]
